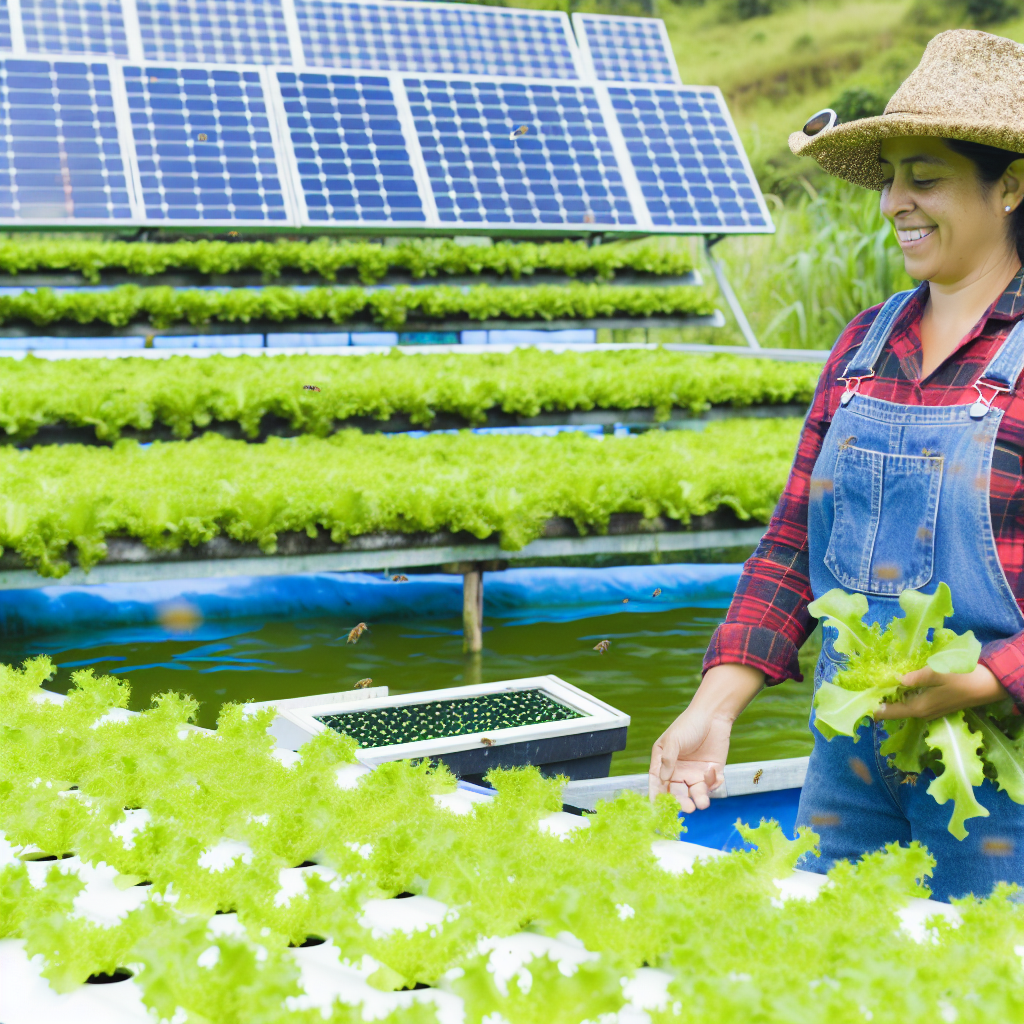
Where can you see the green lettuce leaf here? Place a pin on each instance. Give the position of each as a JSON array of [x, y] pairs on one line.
[[838, 712], [962, 769], [845, 613], [905, 744], [921, 613], [1002, 754], [959, 653]]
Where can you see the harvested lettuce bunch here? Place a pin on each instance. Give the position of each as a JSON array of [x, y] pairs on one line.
[[963, 747]]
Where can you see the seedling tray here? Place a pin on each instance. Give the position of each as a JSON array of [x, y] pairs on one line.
[[542, 720]]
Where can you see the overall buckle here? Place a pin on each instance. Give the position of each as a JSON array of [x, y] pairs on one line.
[[982, 405], [853, 386]]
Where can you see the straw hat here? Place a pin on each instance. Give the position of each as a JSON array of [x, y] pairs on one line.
[[969, 85]]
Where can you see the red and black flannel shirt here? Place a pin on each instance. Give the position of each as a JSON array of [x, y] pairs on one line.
[[768, 619]]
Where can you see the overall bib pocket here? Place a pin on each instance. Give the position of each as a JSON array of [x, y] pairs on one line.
[[883, 534]]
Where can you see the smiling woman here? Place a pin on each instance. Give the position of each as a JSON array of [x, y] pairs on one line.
[[908, 474]]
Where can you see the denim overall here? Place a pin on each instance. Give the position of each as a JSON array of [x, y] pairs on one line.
[[900, 499]]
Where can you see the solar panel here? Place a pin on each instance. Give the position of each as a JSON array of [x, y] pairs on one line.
[[351, 157], [203, 145], [558, 169], [6, 40], [688, 159], [60, 159], [621, 49], [74, 27], [434, 38], [214, 31]]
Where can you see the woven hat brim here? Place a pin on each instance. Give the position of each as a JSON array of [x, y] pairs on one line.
[[850, 151]]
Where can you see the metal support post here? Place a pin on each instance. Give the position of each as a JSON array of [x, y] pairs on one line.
[[730, 296]]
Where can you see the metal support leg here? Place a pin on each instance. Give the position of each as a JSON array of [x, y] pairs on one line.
[[473, 610], [730, 296]]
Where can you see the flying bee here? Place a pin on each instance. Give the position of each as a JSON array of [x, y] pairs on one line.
[[201, 136], [602, 646], [861, 770], [997, 847], [232, 234], [625, 600], [518, 133], [487, 741], [363, 684], [588, 218], [910, 779], [356, 632], [310, 387], [657, 591], [757, 775], [399, 579]]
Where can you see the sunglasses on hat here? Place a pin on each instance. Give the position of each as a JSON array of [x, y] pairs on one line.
[[823, 119]]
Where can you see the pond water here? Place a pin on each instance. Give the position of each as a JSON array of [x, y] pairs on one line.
[[650, 670]]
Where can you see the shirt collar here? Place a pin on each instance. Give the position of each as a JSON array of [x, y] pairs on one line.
[[1010, 305]]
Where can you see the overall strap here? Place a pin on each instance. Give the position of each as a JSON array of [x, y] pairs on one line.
[[1002, 372], [863, 362]]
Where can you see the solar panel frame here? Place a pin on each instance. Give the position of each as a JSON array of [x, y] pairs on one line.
[[594, 73], [131, 144], [109, 157], [456, 11], [740, 174]]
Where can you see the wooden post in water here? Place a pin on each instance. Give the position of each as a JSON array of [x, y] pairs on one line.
[[473, 610]]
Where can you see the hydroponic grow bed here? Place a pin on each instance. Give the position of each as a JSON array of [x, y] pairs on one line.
[[433, 905], [542, 721]]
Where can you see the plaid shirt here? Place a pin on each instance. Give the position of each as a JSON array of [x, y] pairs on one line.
[[768, 618]]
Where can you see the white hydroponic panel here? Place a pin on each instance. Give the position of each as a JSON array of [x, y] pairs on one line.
[[74, 27], [391, 35], [615, 48], [595, 715], [203, 146]]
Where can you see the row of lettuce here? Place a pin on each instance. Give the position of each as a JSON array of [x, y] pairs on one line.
[[188, 395], [325, 258], [529, 927], [508, 487]]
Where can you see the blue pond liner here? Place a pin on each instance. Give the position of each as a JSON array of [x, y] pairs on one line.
[[550, 594]]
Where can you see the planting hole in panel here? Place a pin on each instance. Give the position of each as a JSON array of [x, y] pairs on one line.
[[464, 716], [561, 170], [61, 159], [688, 159], [627, 49], [214, 31], [353, 161], [203, 143], [435, 38], [74, 27]]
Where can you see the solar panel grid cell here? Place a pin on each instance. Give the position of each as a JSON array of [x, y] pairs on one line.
[[628, 49], [351, 156], [560, 171], [435, 39], [687, 159], [214, 31], [74, 27], [203, 144], [60, 158]]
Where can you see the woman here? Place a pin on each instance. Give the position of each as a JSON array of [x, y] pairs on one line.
[[908, 471]]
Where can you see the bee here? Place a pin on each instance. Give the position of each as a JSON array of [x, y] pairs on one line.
[[356, 632], [310, 387], [487, 741], [625, 600], [399, 579], [861, 770], [232, 234], [757, 775], [997, 847], [520, 131], [201, 136], [657, 591], [363, 684], [603, 646], [824, 819], [588, 218], [910, 779]]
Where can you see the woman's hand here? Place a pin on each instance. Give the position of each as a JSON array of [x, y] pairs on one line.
[[943, 692], [689, 757]]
